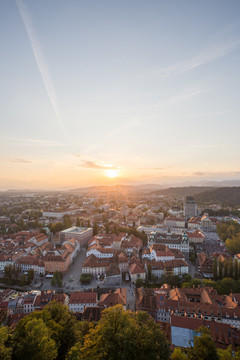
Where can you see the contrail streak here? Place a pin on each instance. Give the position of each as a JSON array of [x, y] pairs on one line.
[[41, 64]]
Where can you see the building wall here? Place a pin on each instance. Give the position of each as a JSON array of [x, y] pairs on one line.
[[182, 337], [189, 210], [94, 270], [134, 277], [79, 307]]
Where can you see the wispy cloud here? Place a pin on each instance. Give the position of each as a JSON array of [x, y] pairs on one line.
[[94, 165], [41, 64], [77, 155], [200, 173], [213, 52], [157, 168], [20, 161]]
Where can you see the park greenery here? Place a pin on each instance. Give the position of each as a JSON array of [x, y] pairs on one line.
[[229, 233], [86, 278], [57, 279], [13, 276]]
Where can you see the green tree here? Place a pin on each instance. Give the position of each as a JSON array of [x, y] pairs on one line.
[[204, 347], [186, 278], [139, 282], [95, 228], [226, 268], [36, 344], [119, 335], [67, 221], [5, 348], [220, 269], [57, 279], [225, 354], [8, 273], [149, 268], [107, 227], [86, 278], [178, 355], [226, 286], [231, 268], [78, 222], [30, 276], [61, 327], [23, 280], [235, 269]]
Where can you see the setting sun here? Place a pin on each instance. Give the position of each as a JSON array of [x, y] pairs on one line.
[[112, 173]]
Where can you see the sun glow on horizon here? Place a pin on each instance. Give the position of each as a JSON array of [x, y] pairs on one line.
[[112, 173]]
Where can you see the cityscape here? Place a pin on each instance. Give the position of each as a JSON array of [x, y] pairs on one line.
[[119, 180], [161, 252]]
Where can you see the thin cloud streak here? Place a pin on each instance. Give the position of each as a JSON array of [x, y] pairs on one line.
[[41, 64], [20, 161], [94, 165], [212, 53]]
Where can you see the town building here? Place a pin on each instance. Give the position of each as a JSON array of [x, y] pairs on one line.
[[78, 301], [82, 234], [189, 207], [172, 241]]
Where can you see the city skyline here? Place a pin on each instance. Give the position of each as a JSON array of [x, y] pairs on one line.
[[119, 92]]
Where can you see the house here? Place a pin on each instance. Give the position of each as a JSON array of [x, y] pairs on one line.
[[95, 266], [5, 260], [27, 263], [205, 263], [174, 222], [172, 241], [122, 260], [57, 260], [160, 252], [46, 297], [78, 301], [131, 244], [29, 300], [100, 252], [136, 271], [114, 298], [146, 301], [209, 223], [196, 236]]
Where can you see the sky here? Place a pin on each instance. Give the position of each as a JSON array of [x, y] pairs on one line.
[[129, 92]]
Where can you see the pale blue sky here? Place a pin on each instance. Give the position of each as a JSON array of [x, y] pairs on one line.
[[149, 87]]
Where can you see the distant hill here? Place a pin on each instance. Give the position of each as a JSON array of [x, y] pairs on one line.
[[97, 189], [117, 188], [182, 191], [227, 196]]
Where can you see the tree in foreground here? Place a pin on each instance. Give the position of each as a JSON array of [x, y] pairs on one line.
[[121, 335], [228, 354], [178, 354], [37, 343], [5, 349], [51, 333], [204, 347]]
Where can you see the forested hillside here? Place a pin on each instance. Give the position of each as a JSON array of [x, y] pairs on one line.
[[226, 196]]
